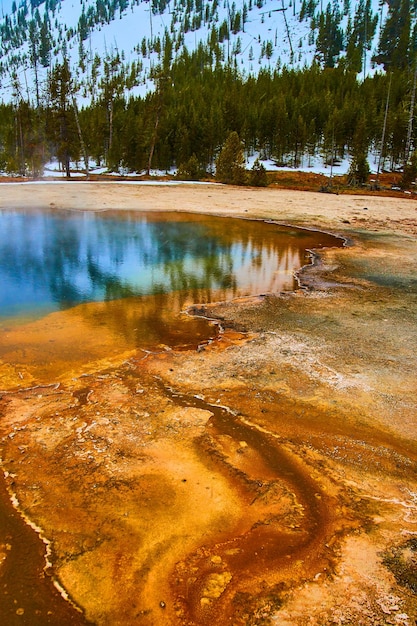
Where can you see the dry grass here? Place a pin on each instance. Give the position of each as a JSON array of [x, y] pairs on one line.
[[388, 182], [310, 181]]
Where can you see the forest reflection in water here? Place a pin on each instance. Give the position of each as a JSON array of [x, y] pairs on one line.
[[51, 261], [77, 287]]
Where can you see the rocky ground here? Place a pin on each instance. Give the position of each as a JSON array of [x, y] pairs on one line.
[[268, 477]]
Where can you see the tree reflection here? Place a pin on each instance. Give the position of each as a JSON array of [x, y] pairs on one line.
[[51, 260]]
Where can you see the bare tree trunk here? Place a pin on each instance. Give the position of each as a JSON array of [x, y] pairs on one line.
[[287, 29], [152, 150], [384, 130], [80, 137], [64, 137], [110, 107], [410, 120]]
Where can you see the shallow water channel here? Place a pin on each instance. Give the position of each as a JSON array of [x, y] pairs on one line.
[[80, 286]]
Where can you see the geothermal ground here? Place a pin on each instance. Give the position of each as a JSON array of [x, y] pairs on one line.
[[267, 477]]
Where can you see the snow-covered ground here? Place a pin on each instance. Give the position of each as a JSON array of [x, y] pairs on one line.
[[314, 165], [310, 164]]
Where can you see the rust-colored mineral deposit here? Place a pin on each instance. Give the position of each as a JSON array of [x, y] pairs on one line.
[[268, 476]]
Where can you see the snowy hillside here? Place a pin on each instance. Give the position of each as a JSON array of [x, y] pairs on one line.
[[249, 35], [138, 85]]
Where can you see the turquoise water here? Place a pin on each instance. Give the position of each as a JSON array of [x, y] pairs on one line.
[[53, 260]]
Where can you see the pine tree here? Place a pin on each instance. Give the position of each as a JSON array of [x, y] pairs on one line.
[[395, 40], [358, 170], [359, 167], [190, 170], [34, 56], [63, 124], [230, 162], [112, 85], [329, 41], [360, 35], [45, 43], [258, 176], [410, 172]]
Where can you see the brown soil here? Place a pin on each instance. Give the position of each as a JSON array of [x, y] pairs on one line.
[[268, 477], [387, 183]]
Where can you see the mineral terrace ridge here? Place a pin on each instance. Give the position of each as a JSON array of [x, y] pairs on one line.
[[268, 478]]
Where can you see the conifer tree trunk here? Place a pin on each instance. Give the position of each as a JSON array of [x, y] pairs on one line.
[[384, 127], [153, 142], [410, 120], [80, 137]]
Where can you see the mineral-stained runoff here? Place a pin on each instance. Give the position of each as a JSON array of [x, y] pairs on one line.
[[268, 477]]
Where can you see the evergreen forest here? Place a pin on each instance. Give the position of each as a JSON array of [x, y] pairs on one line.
[[198, 103]]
